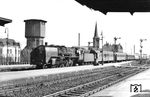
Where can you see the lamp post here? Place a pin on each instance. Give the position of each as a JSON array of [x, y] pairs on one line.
[[6, 31]]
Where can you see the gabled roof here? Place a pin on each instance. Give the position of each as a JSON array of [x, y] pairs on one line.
[[11, 42], [4, 21]]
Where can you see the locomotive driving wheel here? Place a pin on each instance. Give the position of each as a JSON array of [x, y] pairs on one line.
[[45, 66], [67, 63], [70, 62], [62, 65]]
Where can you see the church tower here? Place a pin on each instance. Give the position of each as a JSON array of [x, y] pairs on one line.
[[96, 38]]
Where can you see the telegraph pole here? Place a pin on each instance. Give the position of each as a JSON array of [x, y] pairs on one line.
[[116, 38], [6, 31], [102, 47], [115, 46], [141, 40]]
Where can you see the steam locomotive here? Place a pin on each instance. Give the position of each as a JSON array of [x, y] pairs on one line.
[[52, 56]]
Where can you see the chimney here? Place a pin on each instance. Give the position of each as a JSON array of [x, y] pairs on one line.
[[79, 39], [46, 43]]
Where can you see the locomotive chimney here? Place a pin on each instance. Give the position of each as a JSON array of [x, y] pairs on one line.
[[46, 43]]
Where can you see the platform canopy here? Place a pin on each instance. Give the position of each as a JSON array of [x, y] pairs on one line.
[[105, 6], [4, 21]]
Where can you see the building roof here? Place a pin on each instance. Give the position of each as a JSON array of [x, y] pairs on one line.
[[35, 20], [117, 5], [4, 21], [11, 42]]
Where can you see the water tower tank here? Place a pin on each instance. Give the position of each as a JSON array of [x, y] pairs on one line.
[[34, 32]]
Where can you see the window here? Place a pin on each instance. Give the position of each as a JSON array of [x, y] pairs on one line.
[[10, 51], [1, 50], [19, 51], [7, 51]]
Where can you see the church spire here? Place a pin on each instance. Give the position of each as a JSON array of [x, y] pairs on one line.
[[96, 31], [96, 38]]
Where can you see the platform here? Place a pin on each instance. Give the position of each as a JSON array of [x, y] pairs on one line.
[[14, 66], [5, 76], [136, 86]]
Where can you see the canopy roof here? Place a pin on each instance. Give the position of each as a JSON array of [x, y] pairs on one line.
[[105, 6], [4, 21]]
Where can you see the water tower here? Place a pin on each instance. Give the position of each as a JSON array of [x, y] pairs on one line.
[[35, 34]]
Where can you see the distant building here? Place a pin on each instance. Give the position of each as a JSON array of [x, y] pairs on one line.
[[9, 51], [107, 47], [137, 56], [144, 56], [114, 48], [117, 48]]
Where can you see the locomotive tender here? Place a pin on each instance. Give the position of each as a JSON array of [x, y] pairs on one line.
[[51, 56]]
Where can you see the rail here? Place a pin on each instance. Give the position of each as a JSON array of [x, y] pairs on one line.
[[87, 89], [57, 83]]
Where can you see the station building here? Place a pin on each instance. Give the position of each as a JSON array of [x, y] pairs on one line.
[[9, 48], [113, 47], [9, 51]]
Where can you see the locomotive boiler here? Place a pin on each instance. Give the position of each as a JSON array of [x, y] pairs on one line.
[[48, 56]]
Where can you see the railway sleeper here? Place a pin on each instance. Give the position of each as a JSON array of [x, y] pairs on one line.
[[75, 93], [78, 91], [68, 95]]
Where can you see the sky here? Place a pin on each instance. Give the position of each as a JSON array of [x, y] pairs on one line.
[[66, 18]]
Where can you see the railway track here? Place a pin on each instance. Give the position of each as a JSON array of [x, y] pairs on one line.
[[53, 86], [21, 83], [53, 78], [87, 89]]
